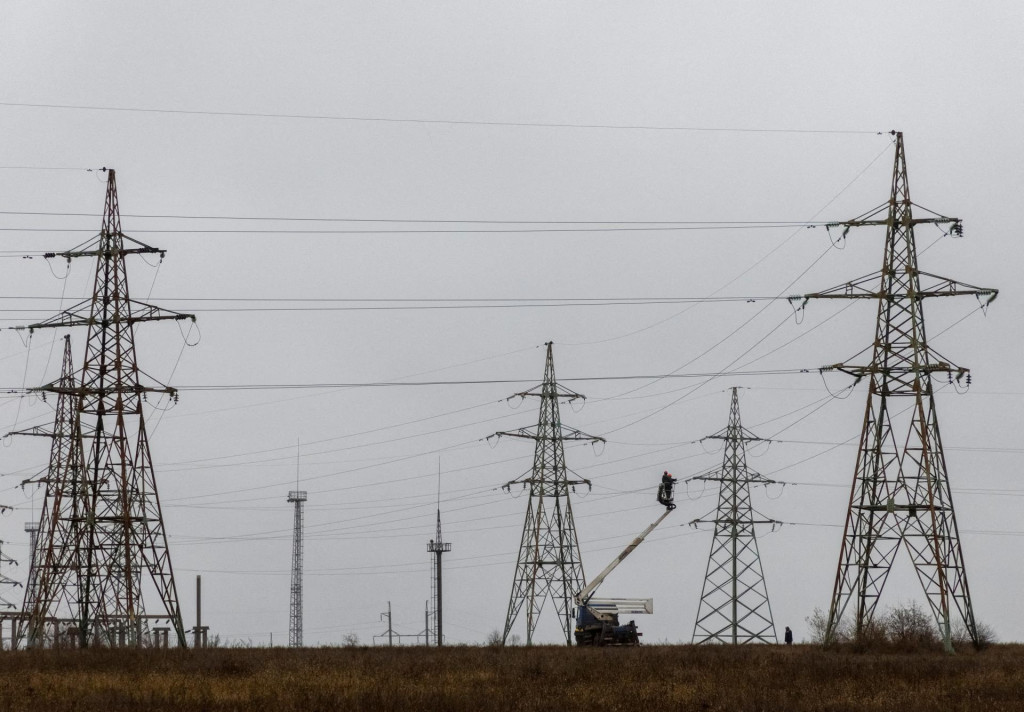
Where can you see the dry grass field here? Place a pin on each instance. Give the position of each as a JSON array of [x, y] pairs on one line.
[[485, 678]]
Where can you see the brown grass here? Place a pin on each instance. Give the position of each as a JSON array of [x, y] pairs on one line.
[[545, 678]]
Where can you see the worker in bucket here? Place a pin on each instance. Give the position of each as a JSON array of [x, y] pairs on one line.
[[665, 490]]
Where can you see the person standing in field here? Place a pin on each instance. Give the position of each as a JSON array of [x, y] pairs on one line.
[[789, 636]]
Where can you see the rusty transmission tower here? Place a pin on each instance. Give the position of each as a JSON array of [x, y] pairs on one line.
[[549, 561], [101, 541], [901, 492], [734, 606]]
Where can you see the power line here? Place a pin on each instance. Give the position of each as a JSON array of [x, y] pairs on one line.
[[481, 382], [433, 221], [453, 122], [435, 231]]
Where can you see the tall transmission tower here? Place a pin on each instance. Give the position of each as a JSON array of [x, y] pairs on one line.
[[438, 547], [295, 610], [734, 606], [901, 493], [549, 561], [105, 530]]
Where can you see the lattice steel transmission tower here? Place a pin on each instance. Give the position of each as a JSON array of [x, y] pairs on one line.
[[549, 561], [32, 529], [6, 581], [102, 527], [295, 610], [901, 492], [734, 606], [50, 596], [438, 547]]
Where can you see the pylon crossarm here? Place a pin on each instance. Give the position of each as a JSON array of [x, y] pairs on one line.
[[865, 287], [742, 434], [567, 433], [558, 391], [92, 248], [859, 372], [86, 392], [80, 315], [947, 287], [37, 430], [749, 477], [532, 481]]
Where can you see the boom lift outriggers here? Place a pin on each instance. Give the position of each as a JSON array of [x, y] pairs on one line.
[[597, 620]]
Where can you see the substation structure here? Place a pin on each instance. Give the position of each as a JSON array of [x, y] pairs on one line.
[[549, 562], [901, 493], [734, 606], [101, 569]]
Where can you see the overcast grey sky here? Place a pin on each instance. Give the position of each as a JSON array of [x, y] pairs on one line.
[[409, 114]]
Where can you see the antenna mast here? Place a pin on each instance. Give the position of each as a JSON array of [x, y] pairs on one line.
[[437, 546], [298, 497]]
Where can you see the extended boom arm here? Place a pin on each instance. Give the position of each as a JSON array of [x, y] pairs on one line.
[[583, 596]]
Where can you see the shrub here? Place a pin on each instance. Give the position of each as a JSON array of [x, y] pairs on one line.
[[817, 628], [909, 627], [961, 638]]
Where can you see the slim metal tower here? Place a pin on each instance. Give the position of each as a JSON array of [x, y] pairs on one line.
[[901, 492], [105, 532], [295, 610], [549, 561], [437, 547], [734, 606]]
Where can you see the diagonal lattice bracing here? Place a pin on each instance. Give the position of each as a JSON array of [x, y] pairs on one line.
[[734, 606], [900, 494], [549, 563]]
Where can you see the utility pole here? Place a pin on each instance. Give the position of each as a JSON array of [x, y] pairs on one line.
[[734, 606], [549, 562], [901, 492], [103, 527]]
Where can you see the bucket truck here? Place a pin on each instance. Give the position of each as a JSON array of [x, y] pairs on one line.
[[597, 619]]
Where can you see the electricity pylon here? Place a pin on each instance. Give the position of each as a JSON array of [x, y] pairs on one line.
[[734, 606], [111, 533], [7, 580], [901, 492], [295, 609], [32, 529], [549, 561], [53, 584]]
